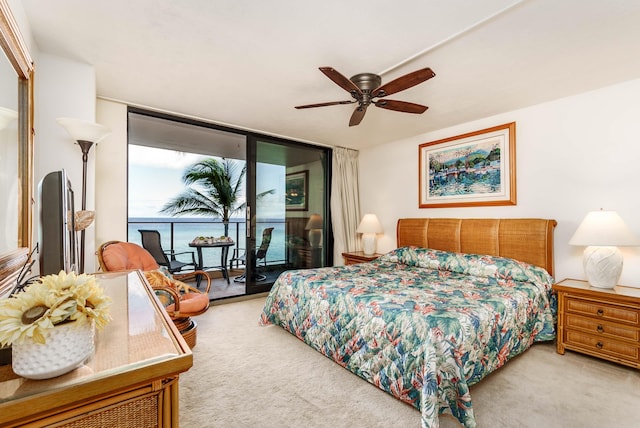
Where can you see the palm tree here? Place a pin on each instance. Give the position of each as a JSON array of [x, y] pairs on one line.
[[219, 185]]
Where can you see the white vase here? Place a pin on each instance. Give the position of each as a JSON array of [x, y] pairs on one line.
[[67, 347]]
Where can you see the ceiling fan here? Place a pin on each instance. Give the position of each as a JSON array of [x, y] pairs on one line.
[[364, 87]]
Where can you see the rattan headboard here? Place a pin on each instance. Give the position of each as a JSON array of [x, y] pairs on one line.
[[527, 239]]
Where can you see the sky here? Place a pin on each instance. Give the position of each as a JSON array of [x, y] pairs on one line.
[[155, 176]]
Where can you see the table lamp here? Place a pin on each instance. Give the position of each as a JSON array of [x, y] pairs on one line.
[[369, 227], [602, 232], [314, 226]]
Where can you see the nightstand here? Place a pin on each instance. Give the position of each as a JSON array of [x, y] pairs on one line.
[[358, 257], [603, 323]]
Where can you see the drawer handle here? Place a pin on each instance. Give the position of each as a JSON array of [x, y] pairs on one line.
[[599, 345], [600, 328], [600, 312]]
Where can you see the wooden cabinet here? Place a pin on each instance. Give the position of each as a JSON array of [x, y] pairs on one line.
[[358, 257], [604, 323], [131, 380]]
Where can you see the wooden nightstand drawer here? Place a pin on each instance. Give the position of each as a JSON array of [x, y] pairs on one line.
[[600, 346], [600, 322], [598, 327], [602, 311]]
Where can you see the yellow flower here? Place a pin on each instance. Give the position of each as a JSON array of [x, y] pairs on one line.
[[12, 311], [52, 300]]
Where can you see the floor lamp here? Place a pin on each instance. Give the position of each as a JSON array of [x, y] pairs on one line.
[[86, 134]]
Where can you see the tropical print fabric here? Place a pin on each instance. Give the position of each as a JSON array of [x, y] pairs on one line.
[[421, 324]]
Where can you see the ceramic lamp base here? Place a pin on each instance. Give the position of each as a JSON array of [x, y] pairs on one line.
[[369, 243], [602, 266], [315, 237]]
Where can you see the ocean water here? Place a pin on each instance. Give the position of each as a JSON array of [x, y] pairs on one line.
[[186, 229]]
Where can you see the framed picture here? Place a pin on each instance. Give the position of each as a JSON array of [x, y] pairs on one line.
[[297, 190], [474, 169]]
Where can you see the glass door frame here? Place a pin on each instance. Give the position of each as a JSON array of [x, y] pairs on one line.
[[251, 222]]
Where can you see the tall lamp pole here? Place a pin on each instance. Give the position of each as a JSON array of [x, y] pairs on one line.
[[86, 134]]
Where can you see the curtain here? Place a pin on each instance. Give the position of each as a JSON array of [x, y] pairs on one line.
[[345, 201]]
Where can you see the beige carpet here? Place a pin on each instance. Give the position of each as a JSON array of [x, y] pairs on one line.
[[245, 375]]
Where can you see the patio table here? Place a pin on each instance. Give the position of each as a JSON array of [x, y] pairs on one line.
[[199, 244]]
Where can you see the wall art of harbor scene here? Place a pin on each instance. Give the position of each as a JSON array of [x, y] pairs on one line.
[[474, 169]]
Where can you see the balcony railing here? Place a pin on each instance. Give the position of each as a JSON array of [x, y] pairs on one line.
[[177, 233]]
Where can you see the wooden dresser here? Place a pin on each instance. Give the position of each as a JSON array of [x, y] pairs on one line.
[[604, 323], [131, 380]]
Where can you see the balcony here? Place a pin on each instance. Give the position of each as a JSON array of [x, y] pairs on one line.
[[177, 233]]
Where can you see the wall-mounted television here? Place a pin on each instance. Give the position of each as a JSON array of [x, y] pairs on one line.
[[57, 237]]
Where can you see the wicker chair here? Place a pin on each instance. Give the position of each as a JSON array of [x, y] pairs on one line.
[[180, 300]]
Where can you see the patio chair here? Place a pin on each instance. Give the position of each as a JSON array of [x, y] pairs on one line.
[[261, 254], [153, 244], [180, 300]]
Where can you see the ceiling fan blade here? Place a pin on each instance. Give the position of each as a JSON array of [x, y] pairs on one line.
[[402, 106], [403, 82], [331, 103], [357, 116], [340, 80]]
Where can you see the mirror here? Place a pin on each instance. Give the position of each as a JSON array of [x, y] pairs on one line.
[[8, 155], [16, 150]]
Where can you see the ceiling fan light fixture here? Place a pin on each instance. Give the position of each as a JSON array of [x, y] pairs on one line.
[[363, 87], [366, 81]]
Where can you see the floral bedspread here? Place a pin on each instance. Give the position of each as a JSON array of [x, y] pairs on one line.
[[421, 324]]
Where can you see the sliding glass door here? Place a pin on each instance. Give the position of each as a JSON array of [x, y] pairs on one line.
[[277, 219], [288, 210]]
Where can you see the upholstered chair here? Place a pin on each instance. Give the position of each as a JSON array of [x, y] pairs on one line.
[[181, 301]]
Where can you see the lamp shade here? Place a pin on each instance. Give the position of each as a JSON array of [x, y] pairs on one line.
[[369, 224], [81, 130], [315, 222], [602, 232], [603, 228]]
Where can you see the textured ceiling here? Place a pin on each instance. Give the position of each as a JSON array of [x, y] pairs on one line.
[[247, 63]]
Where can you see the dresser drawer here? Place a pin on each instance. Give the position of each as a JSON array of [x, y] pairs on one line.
[[603, 311], [599, 327], [602, 346]]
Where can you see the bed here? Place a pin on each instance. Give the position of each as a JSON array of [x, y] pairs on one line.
[[454, 302]]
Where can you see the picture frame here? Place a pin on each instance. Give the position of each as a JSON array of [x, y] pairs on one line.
[[297, 191], [473, 169]]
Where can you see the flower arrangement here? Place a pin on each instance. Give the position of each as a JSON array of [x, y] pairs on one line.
[[52, 300], [210, 239]]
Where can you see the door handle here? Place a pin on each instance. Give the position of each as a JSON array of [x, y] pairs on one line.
[[248, 225]]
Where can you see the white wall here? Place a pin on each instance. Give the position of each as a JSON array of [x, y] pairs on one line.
[[111, 174], [573, 155], [64, 88], [23, 24]]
